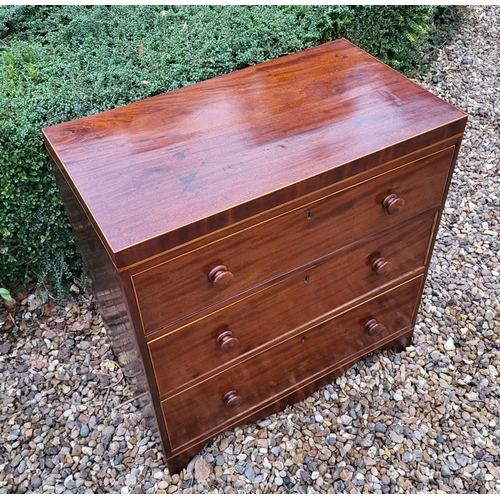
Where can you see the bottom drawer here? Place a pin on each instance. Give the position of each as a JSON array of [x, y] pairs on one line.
[[234, 394]]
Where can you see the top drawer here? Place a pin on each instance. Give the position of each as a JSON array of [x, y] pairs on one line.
[[213, 273]]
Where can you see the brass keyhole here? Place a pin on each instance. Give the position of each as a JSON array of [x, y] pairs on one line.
[[306, 278], [309, 215], [303, 339]]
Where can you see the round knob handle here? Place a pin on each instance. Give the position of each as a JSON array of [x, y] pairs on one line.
[[381, 266], [227, 341], [393, 204], [232, 400], [220, 277], [373, 327]]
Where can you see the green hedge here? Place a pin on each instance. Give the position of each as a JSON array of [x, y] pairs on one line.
[[59, 63]]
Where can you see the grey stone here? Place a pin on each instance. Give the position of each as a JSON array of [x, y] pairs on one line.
[[191, 464], [144, 441], [107, 432], [21, 467], [305, 476], [445, 471], [69, 483], [249, 472], [367, 442], [397, 438], [346, 419], [489, 315], [436, 355], [131, 480], [36, 482], [461, 459]]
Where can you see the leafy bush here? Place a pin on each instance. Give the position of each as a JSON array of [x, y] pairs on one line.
[[59, 63]]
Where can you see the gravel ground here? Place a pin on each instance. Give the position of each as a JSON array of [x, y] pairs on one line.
[[424, 420]]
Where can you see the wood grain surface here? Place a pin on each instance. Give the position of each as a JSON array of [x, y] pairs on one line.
[[288, 306], [181, 287], [181, 164], [201, 410], [252, 236]]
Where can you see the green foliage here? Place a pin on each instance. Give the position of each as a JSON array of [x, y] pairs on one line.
[[396, 38], [59, 63], [4, 294], [444, 20]]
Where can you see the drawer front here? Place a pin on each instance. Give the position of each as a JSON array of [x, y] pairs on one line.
[[180, 287], [234, 331], [234, 394]]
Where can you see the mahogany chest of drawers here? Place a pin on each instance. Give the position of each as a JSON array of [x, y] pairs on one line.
[[251, 236]]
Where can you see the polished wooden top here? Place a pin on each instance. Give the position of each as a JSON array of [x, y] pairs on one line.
[[190, 161]]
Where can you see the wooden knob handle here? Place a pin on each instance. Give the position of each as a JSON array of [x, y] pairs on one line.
[[232, 400], [373, 327], [220, 277], [382, 266], [393, 204], [227, 341]]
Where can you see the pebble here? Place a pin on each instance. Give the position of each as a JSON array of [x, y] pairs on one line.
[[69, 483], [36, 482], [445, 471], [449, 345], [108, 432], [131, 480], [489, 315], [249, 472], [345, 420]]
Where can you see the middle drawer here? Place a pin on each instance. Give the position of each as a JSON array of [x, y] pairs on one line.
[[181, 357]]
